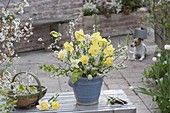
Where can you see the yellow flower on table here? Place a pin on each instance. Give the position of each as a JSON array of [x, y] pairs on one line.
[[109, 50], [96, 38], [43, 105], [79, 35], [94, 49], [84, 59], [68, 46], [55, 105], [109, 61]]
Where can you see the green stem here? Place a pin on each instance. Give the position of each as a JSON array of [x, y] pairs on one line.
[[168, 56], [7, 5], [53, 98]]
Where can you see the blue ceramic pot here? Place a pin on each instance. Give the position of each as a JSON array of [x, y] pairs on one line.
[[86, 91]]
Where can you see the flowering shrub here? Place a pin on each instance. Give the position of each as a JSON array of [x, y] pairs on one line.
[[101, 7], [106, 7], [89, 8], [12, 29], [159, 65], [87, 56], [159, 76]]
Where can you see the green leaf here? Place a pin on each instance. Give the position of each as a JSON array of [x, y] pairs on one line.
[[2, 92], [21, 88], [83, 46], [1, 105], [76, 42], [40, 67], [14, 101], [55, 34], [75, 76], [73, 80], [148, 91], [33, 88]]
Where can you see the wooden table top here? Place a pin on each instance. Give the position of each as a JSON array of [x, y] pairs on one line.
[[68, 104]]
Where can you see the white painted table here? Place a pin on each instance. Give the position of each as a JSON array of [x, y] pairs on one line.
[[68, 104]]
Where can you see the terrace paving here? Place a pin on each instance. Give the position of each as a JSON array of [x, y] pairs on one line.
[[117, 79]]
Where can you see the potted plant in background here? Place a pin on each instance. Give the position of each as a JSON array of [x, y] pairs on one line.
[[89, 8], [159, 77], [87, 58], [159, 74], [131, 5], [109, 7], [104, 7]]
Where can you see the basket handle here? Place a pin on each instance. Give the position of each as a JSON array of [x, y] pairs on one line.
[[34, 76]]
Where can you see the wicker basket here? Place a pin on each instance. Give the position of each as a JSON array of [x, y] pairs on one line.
[[26, 101]]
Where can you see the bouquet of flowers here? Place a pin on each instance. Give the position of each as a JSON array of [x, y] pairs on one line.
[[13, 29], [86, 56]]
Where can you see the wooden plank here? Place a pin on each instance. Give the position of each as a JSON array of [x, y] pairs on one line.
[[68, 104]]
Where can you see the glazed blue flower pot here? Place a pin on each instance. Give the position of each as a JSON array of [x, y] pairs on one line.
[[86, 91]]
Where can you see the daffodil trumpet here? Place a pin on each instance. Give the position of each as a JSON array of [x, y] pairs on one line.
[[80, 34]]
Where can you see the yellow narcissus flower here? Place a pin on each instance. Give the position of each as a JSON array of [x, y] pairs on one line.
[[96, 38], [109, 61], [96, 34], [79, 35], [109, 50], [84, 59], [61, 54], [55, 105], [103, 42], [43, 105], [94, 49], [68, 46]]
